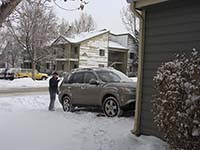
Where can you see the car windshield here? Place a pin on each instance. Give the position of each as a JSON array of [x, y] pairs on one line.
[[112, 76]]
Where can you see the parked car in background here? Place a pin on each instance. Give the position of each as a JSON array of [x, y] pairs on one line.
[[107, 88], [2, 73], [24, 73], [6, 74]]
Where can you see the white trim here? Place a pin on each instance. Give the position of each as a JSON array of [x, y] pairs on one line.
[[138, 104], [66, 59], [143, 3]]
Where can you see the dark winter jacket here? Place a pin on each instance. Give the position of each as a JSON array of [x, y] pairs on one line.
[[53, 84]]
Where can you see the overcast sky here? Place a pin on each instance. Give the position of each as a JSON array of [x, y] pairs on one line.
[[106, 13]]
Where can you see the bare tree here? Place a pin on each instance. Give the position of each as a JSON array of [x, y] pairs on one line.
[[65, 28], [84, 24], [130, 21], [36, 26], [11, 53], [8, 6]]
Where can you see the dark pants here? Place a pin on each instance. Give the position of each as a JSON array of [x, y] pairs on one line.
[[52, 99]]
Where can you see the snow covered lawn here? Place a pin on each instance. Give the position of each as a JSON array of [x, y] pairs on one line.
[[26, 124], [23, 83]]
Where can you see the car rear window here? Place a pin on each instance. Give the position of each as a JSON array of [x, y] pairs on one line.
[[89, 76], [77, 78]]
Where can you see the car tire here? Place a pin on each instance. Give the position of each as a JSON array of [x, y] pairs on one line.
[[111, 107], [66, 104], [43, 78], [12, 78]]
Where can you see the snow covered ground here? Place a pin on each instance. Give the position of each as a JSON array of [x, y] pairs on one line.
[[23, 83], [134, 79], [26, 124]]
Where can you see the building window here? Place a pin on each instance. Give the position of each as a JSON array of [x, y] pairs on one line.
[[63, 46], [76, 50], [101, 52], [47, 65], [131, 56], [130, 69], [101, 65], [54, 67], [63, 66], [75, 65], [54, 52]]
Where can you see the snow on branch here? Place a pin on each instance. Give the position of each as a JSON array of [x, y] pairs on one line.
[[176, 104], [6, 8]]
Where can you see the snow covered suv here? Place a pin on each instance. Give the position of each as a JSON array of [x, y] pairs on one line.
[[105, 87]]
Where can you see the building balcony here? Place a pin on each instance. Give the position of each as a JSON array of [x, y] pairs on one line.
[[66, 59]]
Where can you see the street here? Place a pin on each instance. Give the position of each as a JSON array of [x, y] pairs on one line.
[[23, 91]]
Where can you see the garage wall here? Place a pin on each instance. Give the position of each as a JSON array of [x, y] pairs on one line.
[[171, 27]]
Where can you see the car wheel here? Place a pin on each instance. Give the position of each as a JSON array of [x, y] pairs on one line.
[[66, 103], [43, 78], [11, 78], [111, 107]]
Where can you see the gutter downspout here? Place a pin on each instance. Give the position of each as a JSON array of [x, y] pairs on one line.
[[138, 104]]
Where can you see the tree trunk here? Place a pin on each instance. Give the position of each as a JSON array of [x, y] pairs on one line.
[[7, 8], [33, 70]]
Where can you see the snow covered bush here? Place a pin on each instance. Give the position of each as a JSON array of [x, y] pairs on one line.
[[176, 104]]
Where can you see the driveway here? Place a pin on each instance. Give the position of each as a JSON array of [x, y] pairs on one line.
[[26, 124]]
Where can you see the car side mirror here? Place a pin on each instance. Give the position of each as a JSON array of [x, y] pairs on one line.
[[94, 82]]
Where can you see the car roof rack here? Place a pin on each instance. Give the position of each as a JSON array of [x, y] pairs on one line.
[[80, 69], [89, 69]]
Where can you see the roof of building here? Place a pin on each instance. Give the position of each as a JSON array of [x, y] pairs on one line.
[[143, 3], [113, 44], [124, 33], [77, 38]]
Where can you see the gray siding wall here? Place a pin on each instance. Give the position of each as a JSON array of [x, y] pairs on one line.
[[127, 41], [132, 49], [171, 27]]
